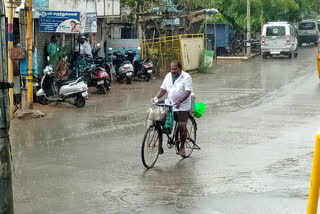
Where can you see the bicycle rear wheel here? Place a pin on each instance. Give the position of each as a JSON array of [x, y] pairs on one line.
[[150, 146], [190, 143]]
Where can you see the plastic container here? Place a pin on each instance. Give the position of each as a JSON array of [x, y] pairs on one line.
[[199, 108]]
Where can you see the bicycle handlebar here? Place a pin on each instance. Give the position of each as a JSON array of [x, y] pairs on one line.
[[162, 104]]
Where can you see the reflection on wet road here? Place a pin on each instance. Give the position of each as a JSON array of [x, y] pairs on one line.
[[257, 139]]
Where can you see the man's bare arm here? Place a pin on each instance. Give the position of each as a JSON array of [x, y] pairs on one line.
[[161, 93]]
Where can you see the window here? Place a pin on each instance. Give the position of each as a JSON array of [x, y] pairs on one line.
[[276, 31], [307, 26]]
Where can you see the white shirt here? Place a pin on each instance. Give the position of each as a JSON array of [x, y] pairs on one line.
[[176, 90], [85, 48]]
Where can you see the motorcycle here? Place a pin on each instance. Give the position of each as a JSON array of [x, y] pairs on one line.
[[72, 92], [91, 68], [123, 68], [100, 61], [97, 77], [142, 68]]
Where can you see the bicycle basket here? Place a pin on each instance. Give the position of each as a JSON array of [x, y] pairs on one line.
[[157, 113]]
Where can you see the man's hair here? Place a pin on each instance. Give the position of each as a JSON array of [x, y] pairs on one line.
[[53, 38], [178, 63]]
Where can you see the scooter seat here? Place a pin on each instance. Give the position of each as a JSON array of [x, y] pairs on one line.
[[66, 82]]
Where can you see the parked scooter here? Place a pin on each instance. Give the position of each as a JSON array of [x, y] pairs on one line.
[[72, 92], [123, 68], [142, 68]]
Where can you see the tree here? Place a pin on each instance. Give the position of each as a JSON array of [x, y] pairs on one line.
[[235, 11]]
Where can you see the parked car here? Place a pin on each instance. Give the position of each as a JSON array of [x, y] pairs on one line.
[[308, 31], [279, 38]]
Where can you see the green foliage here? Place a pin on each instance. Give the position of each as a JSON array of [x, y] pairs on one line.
[[235, 11], [138, 6], [219, 18]]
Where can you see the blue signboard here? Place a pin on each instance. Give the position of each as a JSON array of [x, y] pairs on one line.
[[60, 21]]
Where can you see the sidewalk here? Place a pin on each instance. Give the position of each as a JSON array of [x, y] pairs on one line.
[[238, 57], [118, 98]]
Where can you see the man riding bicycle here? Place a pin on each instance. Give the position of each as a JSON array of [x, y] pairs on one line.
[[178, 84]]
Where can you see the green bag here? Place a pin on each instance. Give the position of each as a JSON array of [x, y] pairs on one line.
[[168, 123], [199, 108]]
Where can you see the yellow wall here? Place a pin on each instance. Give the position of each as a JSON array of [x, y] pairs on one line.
[[191, 49]]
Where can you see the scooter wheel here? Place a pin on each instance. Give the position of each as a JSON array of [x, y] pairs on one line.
[[107, 85], [147, 78], [43, 100], [129, 80], [103, 89], [80, 102]]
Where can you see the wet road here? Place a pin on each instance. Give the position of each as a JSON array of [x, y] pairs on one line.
[[257, 138]]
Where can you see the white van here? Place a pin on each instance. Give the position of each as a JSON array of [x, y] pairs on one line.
[[308, 31], [279, 38]]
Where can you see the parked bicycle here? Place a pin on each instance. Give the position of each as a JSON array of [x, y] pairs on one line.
[[237, 47], [153, 137]]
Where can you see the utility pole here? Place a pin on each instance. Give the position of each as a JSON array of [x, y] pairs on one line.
[[6, 195], [215, 40], [30, 55], [23, 42], [261, 20], [10, 46], [248, 30]]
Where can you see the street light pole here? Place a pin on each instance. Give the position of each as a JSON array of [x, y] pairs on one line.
[[10, 46], [248, 30], [261, 21]]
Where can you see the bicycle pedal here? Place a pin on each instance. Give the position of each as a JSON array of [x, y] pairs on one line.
[[170, 145]]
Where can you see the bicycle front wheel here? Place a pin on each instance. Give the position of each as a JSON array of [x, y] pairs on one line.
[[150, 146]]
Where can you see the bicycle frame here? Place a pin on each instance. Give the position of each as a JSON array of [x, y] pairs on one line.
[[173, 138]]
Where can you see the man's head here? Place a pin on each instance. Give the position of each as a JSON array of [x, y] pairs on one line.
[[175, 68], [53, 39], [82, 39]]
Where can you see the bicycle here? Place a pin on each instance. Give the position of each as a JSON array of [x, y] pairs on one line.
[[237, 47], [154, 136]]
